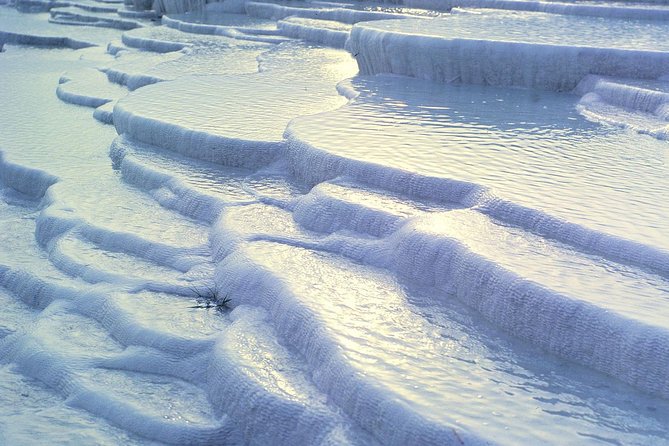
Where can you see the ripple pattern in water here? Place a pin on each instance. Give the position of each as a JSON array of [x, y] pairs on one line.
[[530, 147], [538, 28]]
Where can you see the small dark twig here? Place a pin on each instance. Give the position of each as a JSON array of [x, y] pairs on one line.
[[210, 298]]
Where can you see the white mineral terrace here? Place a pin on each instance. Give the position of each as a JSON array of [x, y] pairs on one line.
[[315, 223]]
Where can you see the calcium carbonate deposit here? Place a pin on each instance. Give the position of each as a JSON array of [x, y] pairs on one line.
[[424, 222]]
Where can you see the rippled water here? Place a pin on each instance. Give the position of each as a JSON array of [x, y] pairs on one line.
[[222, 19], [446, 358], [37, 24], [530, 147], [622, 289], [540, 28], [245, 107]]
